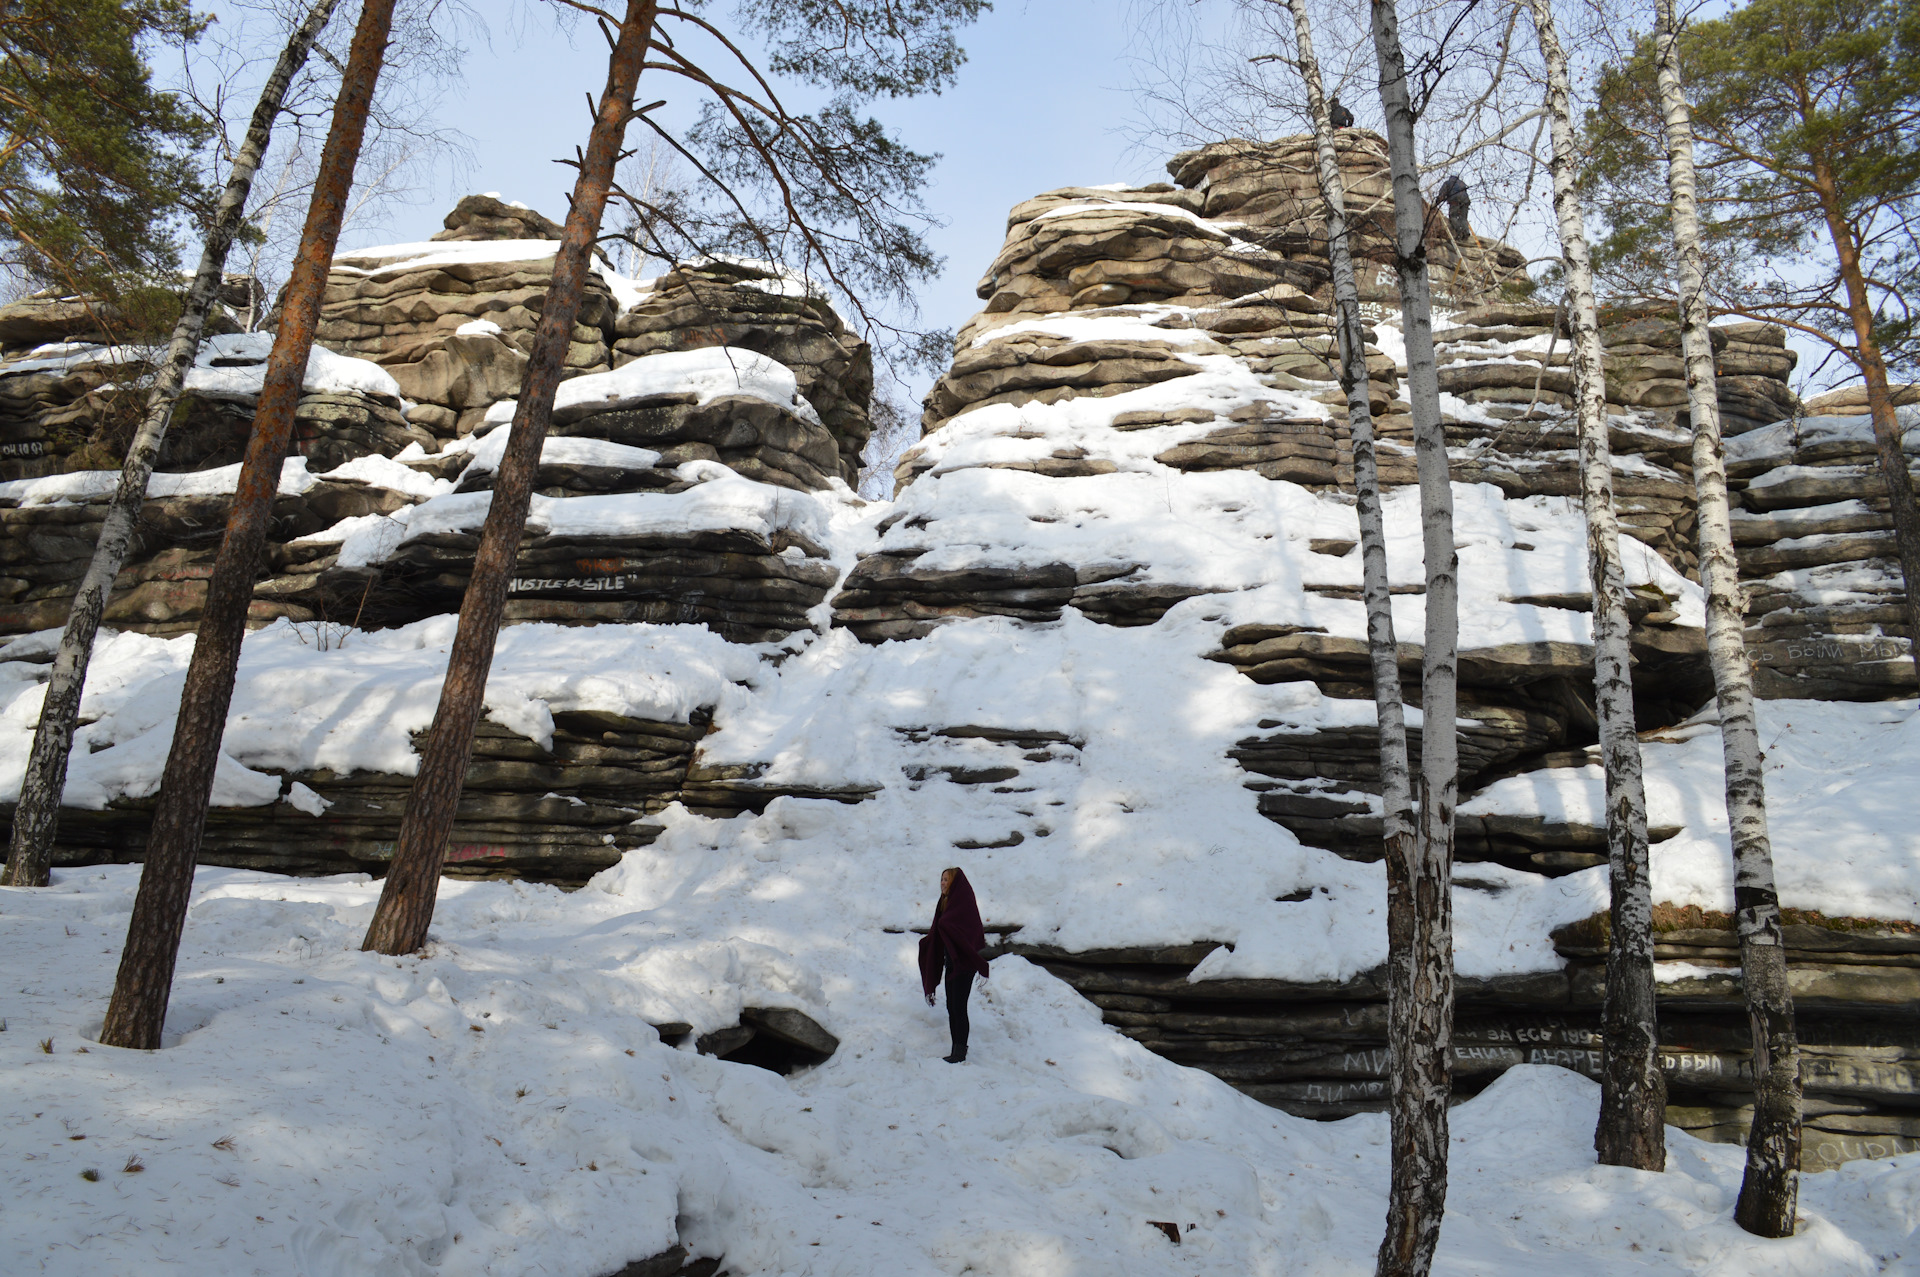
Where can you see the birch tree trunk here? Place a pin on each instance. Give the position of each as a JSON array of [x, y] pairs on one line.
[[145, 980], [36, 819], [1633, 1092], [1419, 882], [1396, 790], [1771, 1186], [406, 901]]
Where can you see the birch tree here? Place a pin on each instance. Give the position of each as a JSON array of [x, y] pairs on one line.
[[1420, 880], [1396, 791], [1633, 1091], [1770, 1187], [36, 820], [835, 179], [144, 983]]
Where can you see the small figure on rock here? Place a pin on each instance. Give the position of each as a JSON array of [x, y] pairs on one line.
[[1458, 200], [1341, 117], [954, 943]]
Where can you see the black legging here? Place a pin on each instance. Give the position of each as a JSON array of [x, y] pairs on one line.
[[959, 985]]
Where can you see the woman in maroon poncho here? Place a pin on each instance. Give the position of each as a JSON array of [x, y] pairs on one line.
[[954, 943]]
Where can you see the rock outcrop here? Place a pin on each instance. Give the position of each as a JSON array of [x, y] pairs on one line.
[[747, 306], [1320, 1050], [435, 337], [71, 392], [1271, 188], [1507, 370], [558, 812], [1826, 601], [1142, 428]]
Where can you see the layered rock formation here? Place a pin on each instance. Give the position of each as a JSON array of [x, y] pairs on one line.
[[71, 393], [1140, 448], [1271, 188], [436, 335], [554, 812], [1320, 1050], [1507, 370], [748, 306], [1132, 332], [1826, 601]]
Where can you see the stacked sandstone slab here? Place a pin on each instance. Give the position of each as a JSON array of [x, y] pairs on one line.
[[749, 306], [450, 321], [72, 388], [558, 812], [404, 307], [1826, 612], [1243, 239], [52, 522], [453, 320], [1521, 705], [1272, 190], [1320, 1049], [1508, 366]]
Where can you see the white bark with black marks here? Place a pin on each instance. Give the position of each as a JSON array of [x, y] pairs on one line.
[[1633, 1091], [1419, 880], [36, 819], [1770, 1189], [1396, 787]]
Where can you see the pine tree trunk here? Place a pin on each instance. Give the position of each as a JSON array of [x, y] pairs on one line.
[[1772, 1183], [1633, 1092], [1396, 789], [1419, 881], [145, 981], [406, 901], [36, 819], [1886, 424]]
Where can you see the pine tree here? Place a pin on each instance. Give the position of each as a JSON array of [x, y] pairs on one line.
[[95, 163], [145, 980], [1806, 122]]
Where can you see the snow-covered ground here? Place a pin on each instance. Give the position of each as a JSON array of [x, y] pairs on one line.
[[499, 1105]]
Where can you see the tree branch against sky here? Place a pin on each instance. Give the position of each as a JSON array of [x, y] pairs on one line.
[[411, 151], [1204, 70], [97, 170]]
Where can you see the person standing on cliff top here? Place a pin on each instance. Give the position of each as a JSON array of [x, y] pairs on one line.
[[953, 944], [1454, 193]]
